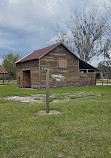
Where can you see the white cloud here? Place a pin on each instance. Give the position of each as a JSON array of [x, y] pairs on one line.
[[29, 24], [14, 1], [52, 5], [32, 15]]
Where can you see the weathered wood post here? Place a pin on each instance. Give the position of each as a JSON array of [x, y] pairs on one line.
[[107, 78], [3, 78], [47, 87], [102, 79]]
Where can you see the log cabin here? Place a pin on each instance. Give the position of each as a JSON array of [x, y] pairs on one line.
[[66, 69]]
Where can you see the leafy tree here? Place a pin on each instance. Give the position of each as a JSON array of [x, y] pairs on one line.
[[105, 68], [86, 33], [9, 64]]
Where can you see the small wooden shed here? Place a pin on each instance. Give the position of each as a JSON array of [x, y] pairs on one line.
[[3, 71], [66, 69]]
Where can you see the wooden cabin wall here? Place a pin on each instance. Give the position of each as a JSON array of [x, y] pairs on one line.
[[87, 79], [33, 66], [64, 68]]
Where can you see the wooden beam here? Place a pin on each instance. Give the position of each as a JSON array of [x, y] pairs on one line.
[[86, 69], [55, 54]]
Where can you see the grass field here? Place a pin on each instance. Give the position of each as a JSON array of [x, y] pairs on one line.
[[81, 130]]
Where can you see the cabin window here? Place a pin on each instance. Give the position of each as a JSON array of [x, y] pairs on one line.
[[62, 64], [83, 71], [90, 70], [86, 70]]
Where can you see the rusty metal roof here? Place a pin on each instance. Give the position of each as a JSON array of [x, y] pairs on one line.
[[2, 70], [37, 54]]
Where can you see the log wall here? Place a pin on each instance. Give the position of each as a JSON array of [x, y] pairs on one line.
[[63, 68], [87, 79], [33, 66]]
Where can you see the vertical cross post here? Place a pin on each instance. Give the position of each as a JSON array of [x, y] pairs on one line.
[[107, 78], [47, 87], [102, 79], [3, 79]]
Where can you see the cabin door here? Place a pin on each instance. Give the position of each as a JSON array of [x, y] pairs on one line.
[[26, 79]]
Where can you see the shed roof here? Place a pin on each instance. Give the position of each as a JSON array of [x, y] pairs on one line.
[[37, 54], [2, 70], [84, 65]]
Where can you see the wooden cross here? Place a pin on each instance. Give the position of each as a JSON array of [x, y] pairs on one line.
[[3, 79], [47, 87]]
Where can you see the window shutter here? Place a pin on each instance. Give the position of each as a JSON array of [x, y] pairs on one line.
[[62, 63]]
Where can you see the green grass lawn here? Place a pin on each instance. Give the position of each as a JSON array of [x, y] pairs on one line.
[[81, 130]]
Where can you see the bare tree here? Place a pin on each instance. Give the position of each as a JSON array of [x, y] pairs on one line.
[[86, 33], [107, 6]]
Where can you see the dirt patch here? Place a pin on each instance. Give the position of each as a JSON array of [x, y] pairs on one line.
[[51, 112], [54, 98], [30, 99]]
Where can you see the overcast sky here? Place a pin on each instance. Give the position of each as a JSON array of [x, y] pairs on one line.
[[27, 25]]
